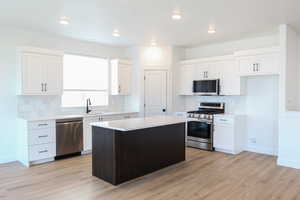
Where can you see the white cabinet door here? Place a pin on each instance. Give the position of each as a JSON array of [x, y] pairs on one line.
[[33, 71], [262, 64], [41, 74], [124, 80], [53, 75], [187, 73], [87, 132], [247, 65], [268, 64], [121, 75], [230, 80], [224, 137], [201, 71]]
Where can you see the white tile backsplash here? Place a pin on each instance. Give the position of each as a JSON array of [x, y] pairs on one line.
[[233, 104], [32, 106]]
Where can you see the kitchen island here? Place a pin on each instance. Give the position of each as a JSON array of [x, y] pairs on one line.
[[130, 148]]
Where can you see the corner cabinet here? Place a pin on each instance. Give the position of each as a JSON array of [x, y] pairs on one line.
[[258, 62], [121, 74], [40, 72]]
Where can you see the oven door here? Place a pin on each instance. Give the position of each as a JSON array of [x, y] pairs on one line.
[[200, 131]]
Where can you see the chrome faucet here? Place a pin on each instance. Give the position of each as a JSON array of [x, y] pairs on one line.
[[88, 103]]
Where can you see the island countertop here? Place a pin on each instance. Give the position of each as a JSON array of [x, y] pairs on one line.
[[139, 123]]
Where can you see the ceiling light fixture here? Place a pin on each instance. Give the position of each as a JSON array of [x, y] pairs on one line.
[[176, 15], [211, 30], [116, 33], [153, 43], [64, 20]]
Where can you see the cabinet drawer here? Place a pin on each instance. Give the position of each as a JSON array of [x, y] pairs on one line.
[[43, 151], [221, 120], [41, 124], [41, 136]]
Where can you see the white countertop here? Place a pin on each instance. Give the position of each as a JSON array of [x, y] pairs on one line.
[[54, 117], [140, 123]]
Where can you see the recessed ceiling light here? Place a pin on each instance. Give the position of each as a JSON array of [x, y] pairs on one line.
[[116, 33], [153, 43], [211, 30], [64, 20], [176, 15]]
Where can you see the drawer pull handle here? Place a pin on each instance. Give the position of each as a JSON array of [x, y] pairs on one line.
[[224, 120], [43, 136], [45, 151], [43, 125]]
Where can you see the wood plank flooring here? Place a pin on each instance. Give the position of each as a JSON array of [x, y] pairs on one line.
[[205, 175]]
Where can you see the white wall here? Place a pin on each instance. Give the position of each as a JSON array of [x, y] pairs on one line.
[[227, 48], [9, 40], [289, 119], [260, 103], [262, 114], [149, 58]]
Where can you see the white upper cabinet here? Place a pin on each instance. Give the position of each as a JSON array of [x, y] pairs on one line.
[[121, 72], [258, 62], [41, 72], [223, 68], [187, 76], [230, 80]]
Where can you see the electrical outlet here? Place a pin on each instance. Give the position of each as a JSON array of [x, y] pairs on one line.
[[253, 140]]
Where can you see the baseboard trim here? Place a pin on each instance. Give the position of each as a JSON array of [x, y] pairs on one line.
[[261, 150], [288, 163], [4, 160]]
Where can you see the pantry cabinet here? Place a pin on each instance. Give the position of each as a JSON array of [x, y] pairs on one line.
[[121, 72], [258, 62], [40, 72]]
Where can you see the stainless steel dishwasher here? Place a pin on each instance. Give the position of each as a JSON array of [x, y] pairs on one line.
[[69, 136]]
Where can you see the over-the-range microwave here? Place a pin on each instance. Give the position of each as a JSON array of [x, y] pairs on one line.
[[206, 87]]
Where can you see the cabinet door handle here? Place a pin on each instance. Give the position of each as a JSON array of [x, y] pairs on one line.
[[119, 89], [43, 136], [253, 67], [42, 87], [45, 151], [257, 67], [45, 87]]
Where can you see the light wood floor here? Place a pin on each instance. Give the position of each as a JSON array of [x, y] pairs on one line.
[[205, 175]]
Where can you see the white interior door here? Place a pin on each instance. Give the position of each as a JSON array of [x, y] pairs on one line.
[[155, 93]]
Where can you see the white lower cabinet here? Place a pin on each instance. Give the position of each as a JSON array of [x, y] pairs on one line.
[[229, 133], [36, 141], [87, 130]]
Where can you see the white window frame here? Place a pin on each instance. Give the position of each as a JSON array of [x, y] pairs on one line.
[[95, 108]]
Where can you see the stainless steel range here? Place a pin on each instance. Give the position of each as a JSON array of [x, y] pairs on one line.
[[200, 127]]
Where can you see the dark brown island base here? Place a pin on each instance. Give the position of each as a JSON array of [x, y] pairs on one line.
[[126, 149]]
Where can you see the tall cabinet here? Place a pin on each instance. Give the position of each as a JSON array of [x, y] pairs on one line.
[[120, 71], [40, 71]]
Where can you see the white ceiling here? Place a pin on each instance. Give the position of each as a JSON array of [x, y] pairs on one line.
[[141, 20]]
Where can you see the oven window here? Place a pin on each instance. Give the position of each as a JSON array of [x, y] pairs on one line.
[[199, 129]]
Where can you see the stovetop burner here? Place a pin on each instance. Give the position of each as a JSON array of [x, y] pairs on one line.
[[207, 110]]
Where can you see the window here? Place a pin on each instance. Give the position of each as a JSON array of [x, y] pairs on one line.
[[85, 77]]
